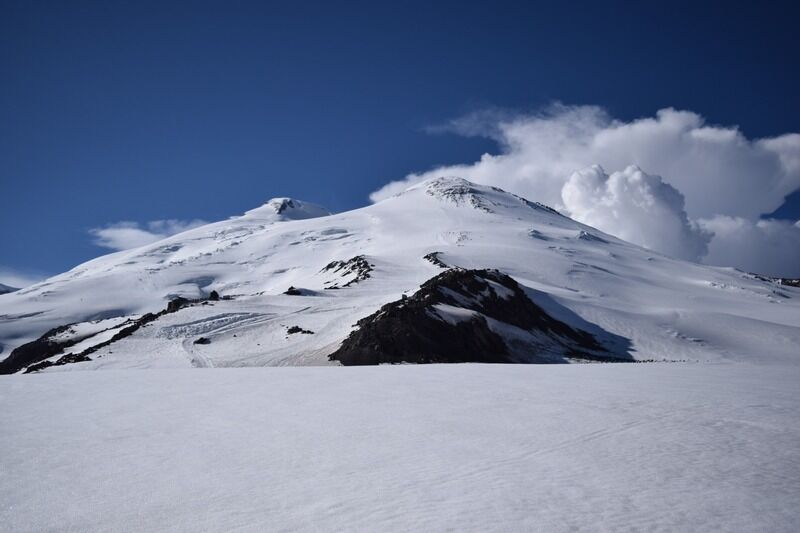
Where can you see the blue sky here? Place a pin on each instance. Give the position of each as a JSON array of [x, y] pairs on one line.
[[149, 111]]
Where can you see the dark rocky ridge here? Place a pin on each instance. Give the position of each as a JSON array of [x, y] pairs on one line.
[[413, 330], [284, 204], [35, 351], [433, 257], [786, 282], [358, 265], [33, 354]]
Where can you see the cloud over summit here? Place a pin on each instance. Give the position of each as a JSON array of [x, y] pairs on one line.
[[686, 172], [637, 207], [125, 235]]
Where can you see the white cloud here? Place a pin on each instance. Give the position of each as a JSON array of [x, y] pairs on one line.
[[126, 235], [17, 279], [770, 247], [716, 170], [627, 203]]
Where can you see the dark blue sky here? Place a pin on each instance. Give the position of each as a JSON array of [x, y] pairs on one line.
[[139, 111]]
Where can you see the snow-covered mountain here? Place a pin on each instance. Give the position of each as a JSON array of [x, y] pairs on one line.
[[286, 283]]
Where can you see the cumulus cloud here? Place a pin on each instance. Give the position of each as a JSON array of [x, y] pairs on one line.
[[626, 204], [770, 247], [125, 235], [717, 169], [714, 170]]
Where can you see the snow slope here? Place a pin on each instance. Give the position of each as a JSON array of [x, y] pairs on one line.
[[665, 308], [613, 447]]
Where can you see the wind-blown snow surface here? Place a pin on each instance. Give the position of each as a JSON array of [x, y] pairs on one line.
[[614, 447], [666, 308]]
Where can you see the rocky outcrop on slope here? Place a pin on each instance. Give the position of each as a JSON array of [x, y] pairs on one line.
[[31, 356], [287, 209], [786, 282], [467, 316], [32, 352], [433, 257], [356, 268], [297, 329]]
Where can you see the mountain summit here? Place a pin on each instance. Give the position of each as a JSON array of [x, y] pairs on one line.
[[288, 284], [287, 209]]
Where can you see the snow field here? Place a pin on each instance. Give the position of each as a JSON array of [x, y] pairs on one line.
[[609, 447]]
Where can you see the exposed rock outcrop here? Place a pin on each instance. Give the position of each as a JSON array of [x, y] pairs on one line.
[[297, 329], [433, 257], [33, 354], [467, 316], [45, 346], [356, 268]]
